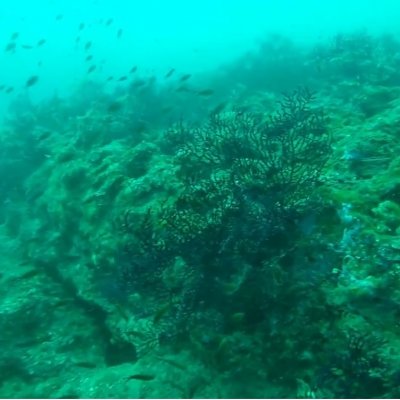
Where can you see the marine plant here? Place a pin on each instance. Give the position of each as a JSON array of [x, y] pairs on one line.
[[246, 179]]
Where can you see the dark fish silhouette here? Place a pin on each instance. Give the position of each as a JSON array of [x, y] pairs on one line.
[[123, 78], [41, 42], [59, 17], [29, 274], [159, 314], [91, 69], [88, 58], [88, 45], [14, 36], [27, 46], [185, 77], [85, 364], [44, 135], [9, 90], [114, 106], [142, 377], [109, 22], [138, 83], [10, 47], [169, 73], [218, 108], [133, 69], [32, 81], [166, 109], [81, 26], [119, 33], [205, 92]]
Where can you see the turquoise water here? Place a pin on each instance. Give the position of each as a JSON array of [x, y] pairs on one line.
[[161, 35], [199, 199]]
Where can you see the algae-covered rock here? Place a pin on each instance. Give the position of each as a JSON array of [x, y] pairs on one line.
[[388, 214]]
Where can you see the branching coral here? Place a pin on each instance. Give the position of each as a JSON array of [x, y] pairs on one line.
[[245, 176]]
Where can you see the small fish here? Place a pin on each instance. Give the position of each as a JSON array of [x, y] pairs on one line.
[[81, 27], [77, 40], [41, 42], [114, 106], [88, 45], [122, 311], [2, 87], [91, 69], [61, 303], [140, 127], [138, 83], [185, 77], [14, 36], [142, 377], [167, 109], [220, 107], [44, 135], [110, 78], [161, 312], [10, 47], [133, 70], [9, 90], [88, 58], [32, 81], [59, 17], [29, 274], [109, 22], [205, 92], [69, 395], [123, 78], [169, 73], [238, 317], [27, 46], [119, 33]]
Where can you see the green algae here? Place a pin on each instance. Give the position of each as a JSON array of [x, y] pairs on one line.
[[121, 254]]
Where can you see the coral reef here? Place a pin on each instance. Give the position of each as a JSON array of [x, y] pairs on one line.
[[241, 245]]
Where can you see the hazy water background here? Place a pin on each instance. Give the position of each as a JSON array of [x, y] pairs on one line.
[[158, 35]]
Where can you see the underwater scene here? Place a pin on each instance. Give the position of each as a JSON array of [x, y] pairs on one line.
[[200, 199]]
